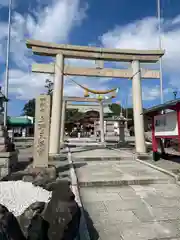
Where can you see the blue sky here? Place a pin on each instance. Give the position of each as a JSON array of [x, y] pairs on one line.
[[115, 24]]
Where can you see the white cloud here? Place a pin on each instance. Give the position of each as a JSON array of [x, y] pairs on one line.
[[26, 86], [149, 94], [136, 35], [143, 34], [52, 23], [4, 3], [71, 89], [55, 22]]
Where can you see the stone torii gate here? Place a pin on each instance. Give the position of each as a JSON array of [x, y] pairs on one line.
[[135, 57], [99, 106]]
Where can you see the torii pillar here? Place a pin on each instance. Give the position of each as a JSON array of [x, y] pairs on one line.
[[101, 121], [57, 102], [63, 118], [138, 108]]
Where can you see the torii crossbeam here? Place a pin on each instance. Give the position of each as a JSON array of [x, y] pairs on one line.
[[93, 72]]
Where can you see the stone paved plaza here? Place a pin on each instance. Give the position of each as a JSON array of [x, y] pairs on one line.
[[126, 199], [133, 212], [118, 173], [94, 153], [123, 199]]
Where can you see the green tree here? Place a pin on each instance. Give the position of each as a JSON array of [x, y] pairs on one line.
[[29, 108], [73, 115], [116, 109], [129, 115], [49, 86]]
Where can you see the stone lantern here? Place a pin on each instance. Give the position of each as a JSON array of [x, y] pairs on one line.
[[121, 121], [3, 99], [8, 154], [121, 125]]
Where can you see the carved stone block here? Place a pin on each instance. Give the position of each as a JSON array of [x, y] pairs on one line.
[[8, 161], [2, 133], [41, 138], [2, 140]]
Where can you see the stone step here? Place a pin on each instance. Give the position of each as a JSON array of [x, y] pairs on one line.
[[88, 159], [64, 179], [59, 157], [145, 156], [124, 182]]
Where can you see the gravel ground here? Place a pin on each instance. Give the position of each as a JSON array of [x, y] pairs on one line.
[[19, 195]]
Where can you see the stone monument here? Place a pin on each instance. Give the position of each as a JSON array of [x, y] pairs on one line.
[[41, 137], [8, 153], [40, 171]]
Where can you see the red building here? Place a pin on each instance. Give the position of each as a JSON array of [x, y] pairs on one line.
[[165, 120]]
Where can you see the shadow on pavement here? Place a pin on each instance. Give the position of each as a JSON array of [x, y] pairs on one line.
[[22, 165], [94, 235], [85, 148], [79, 165], [66, 167], [63, 168], [171, 157]]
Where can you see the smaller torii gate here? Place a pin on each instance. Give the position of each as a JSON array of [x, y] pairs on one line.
[[99, 106]]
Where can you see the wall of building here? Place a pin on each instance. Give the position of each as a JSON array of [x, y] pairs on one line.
[[166, 124], [110, 127]]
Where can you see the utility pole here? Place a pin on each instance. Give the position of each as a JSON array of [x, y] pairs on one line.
[[6, 84], [126, 112], [121, 113], [160, 47]]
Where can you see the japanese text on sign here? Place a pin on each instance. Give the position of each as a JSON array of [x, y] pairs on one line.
[[41, 127]]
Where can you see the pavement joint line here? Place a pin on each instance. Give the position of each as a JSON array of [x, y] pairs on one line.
[[123, 183], [73, 176], [176, 177], [160, 169], [97, 159], [75, 189], [118, 150]]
